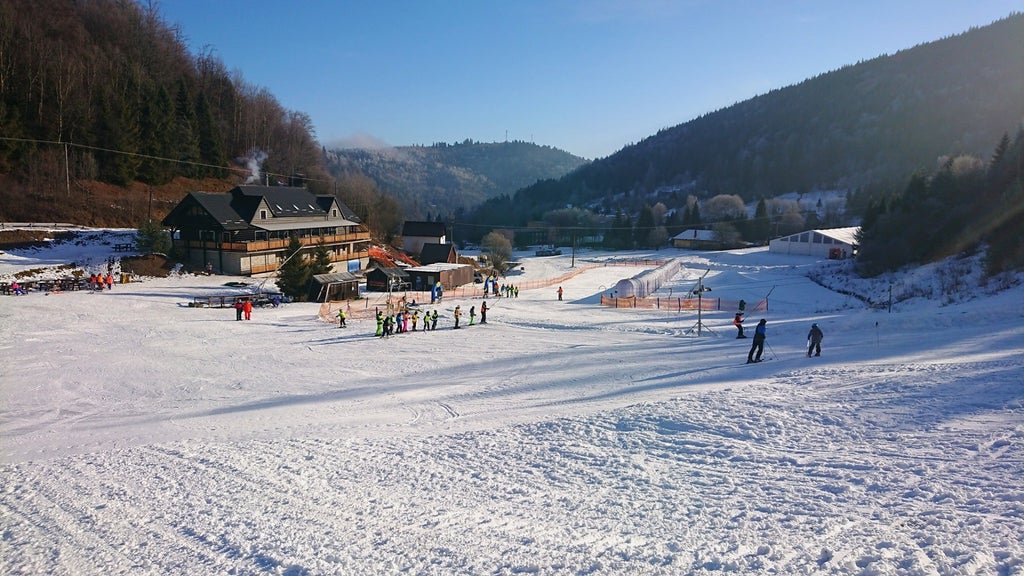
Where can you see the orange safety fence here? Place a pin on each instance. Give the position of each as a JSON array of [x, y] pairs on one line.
[[367, 307], [681, 304]]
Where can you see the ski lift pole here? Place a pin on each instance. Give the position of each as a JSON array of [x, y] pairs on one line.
[[766, 300]]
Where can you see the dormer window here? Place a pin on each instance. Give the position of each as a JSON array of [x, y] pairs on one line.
[[263, 214], [334, 213]]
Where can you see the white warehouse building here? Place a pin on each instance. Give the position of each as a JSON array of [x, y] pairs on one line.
[[832, 243]]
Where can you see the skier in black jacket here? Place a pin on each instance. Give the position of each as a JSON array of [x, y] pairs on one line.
[[814, 338]]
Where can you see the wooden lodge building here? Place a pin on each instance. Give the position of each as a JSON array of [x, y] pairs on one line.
[[246, 231]]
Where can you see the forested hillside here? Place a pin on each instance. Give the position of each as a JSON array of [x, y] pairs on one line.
[[447, 178], [106, 118], [864, 129]]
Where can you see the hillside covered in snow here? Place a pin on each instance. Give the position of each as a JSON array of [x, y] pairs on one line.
[[141, 435]]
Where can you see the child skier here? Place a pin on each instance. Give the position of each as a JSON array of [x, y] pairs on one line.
[[814, 338]]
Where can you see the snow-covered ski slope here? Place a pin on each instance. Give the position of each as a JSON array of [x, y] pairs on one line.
[[141, 436]]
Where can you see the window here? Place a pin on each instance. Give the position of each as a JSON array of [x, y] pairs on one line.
[[804, 237], [263, 214], [334, 213]]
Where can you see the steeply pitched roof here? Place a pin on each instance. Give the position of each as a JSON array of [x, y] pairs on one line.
[[283, 201], [237, 209], [434, 252], [423, 229]]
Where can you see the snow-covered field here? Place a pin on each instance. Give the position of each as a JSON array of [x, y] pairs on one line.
[[141, 436]]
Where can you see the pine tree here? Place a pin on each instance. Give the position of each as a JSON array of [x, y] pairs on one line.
[[321, 263], [211, 149], [293, 276], [184, 140], [154, 126]]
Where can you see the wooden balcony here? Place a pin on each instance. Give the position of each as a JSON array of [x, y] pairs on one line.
[[271, 245]]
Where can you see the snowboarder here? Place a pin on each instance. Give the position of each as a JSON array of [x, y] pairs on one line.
[[814, 338], [458, 313], [472, 315], [341, 318], [738, 323], [758, 344], [483, 312], [559, 293]]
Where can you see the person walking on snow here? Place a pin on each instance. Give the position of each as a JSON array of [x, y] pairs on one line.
[[341, 318], [814, 338], [758, 344], [738, 323]]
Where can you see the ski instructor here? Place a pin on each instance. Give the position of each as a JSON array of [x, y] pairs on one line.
[[758, 343]]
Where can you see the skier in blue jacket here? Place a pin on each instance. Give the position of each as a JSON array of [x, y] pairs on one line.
[[760, 333]]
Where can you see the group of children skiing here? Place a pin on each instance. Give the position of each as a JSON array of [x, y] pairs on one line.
[[398, 322]]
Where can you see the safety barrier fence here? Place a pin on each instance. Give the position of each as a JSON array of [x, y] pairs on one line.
[[683, 304], [367, 307]]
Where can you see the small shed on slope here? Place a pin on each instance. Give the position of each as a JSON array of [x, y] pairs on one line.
[[333, 287], [383, 279], [695, 239], [449, 275]]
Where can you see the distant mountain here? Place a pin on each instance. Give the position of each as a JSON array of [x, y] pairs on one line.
[[864, 127], [444, 178]]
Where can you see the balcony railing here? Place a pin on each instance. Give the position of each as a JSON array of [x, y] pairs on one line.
[[276, 244], [265, 268]]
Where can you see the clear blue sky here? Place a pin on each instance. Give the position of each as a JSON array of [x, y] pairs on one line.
[[588, 77]]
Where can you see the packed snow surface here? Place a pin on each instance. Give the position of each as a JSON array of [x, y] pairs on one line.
[[142, 436]]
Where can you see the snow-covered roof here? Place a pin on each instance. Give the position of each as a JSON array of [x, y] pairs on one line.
[[844, 235], [436, 267], [695, 234]]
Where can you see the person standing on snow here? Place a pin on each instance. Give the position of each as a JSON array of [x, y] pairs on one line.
[[458, 313], [760, 333], [472, 315], [559, 293], [341, 318], [814, 338], [380, 324], [433, 321], [247, 307], [483, 312], [738, 323], [238, 309]]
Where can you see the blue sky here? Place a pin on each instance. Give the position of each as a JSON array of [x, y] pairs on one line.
[[588, 77]]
